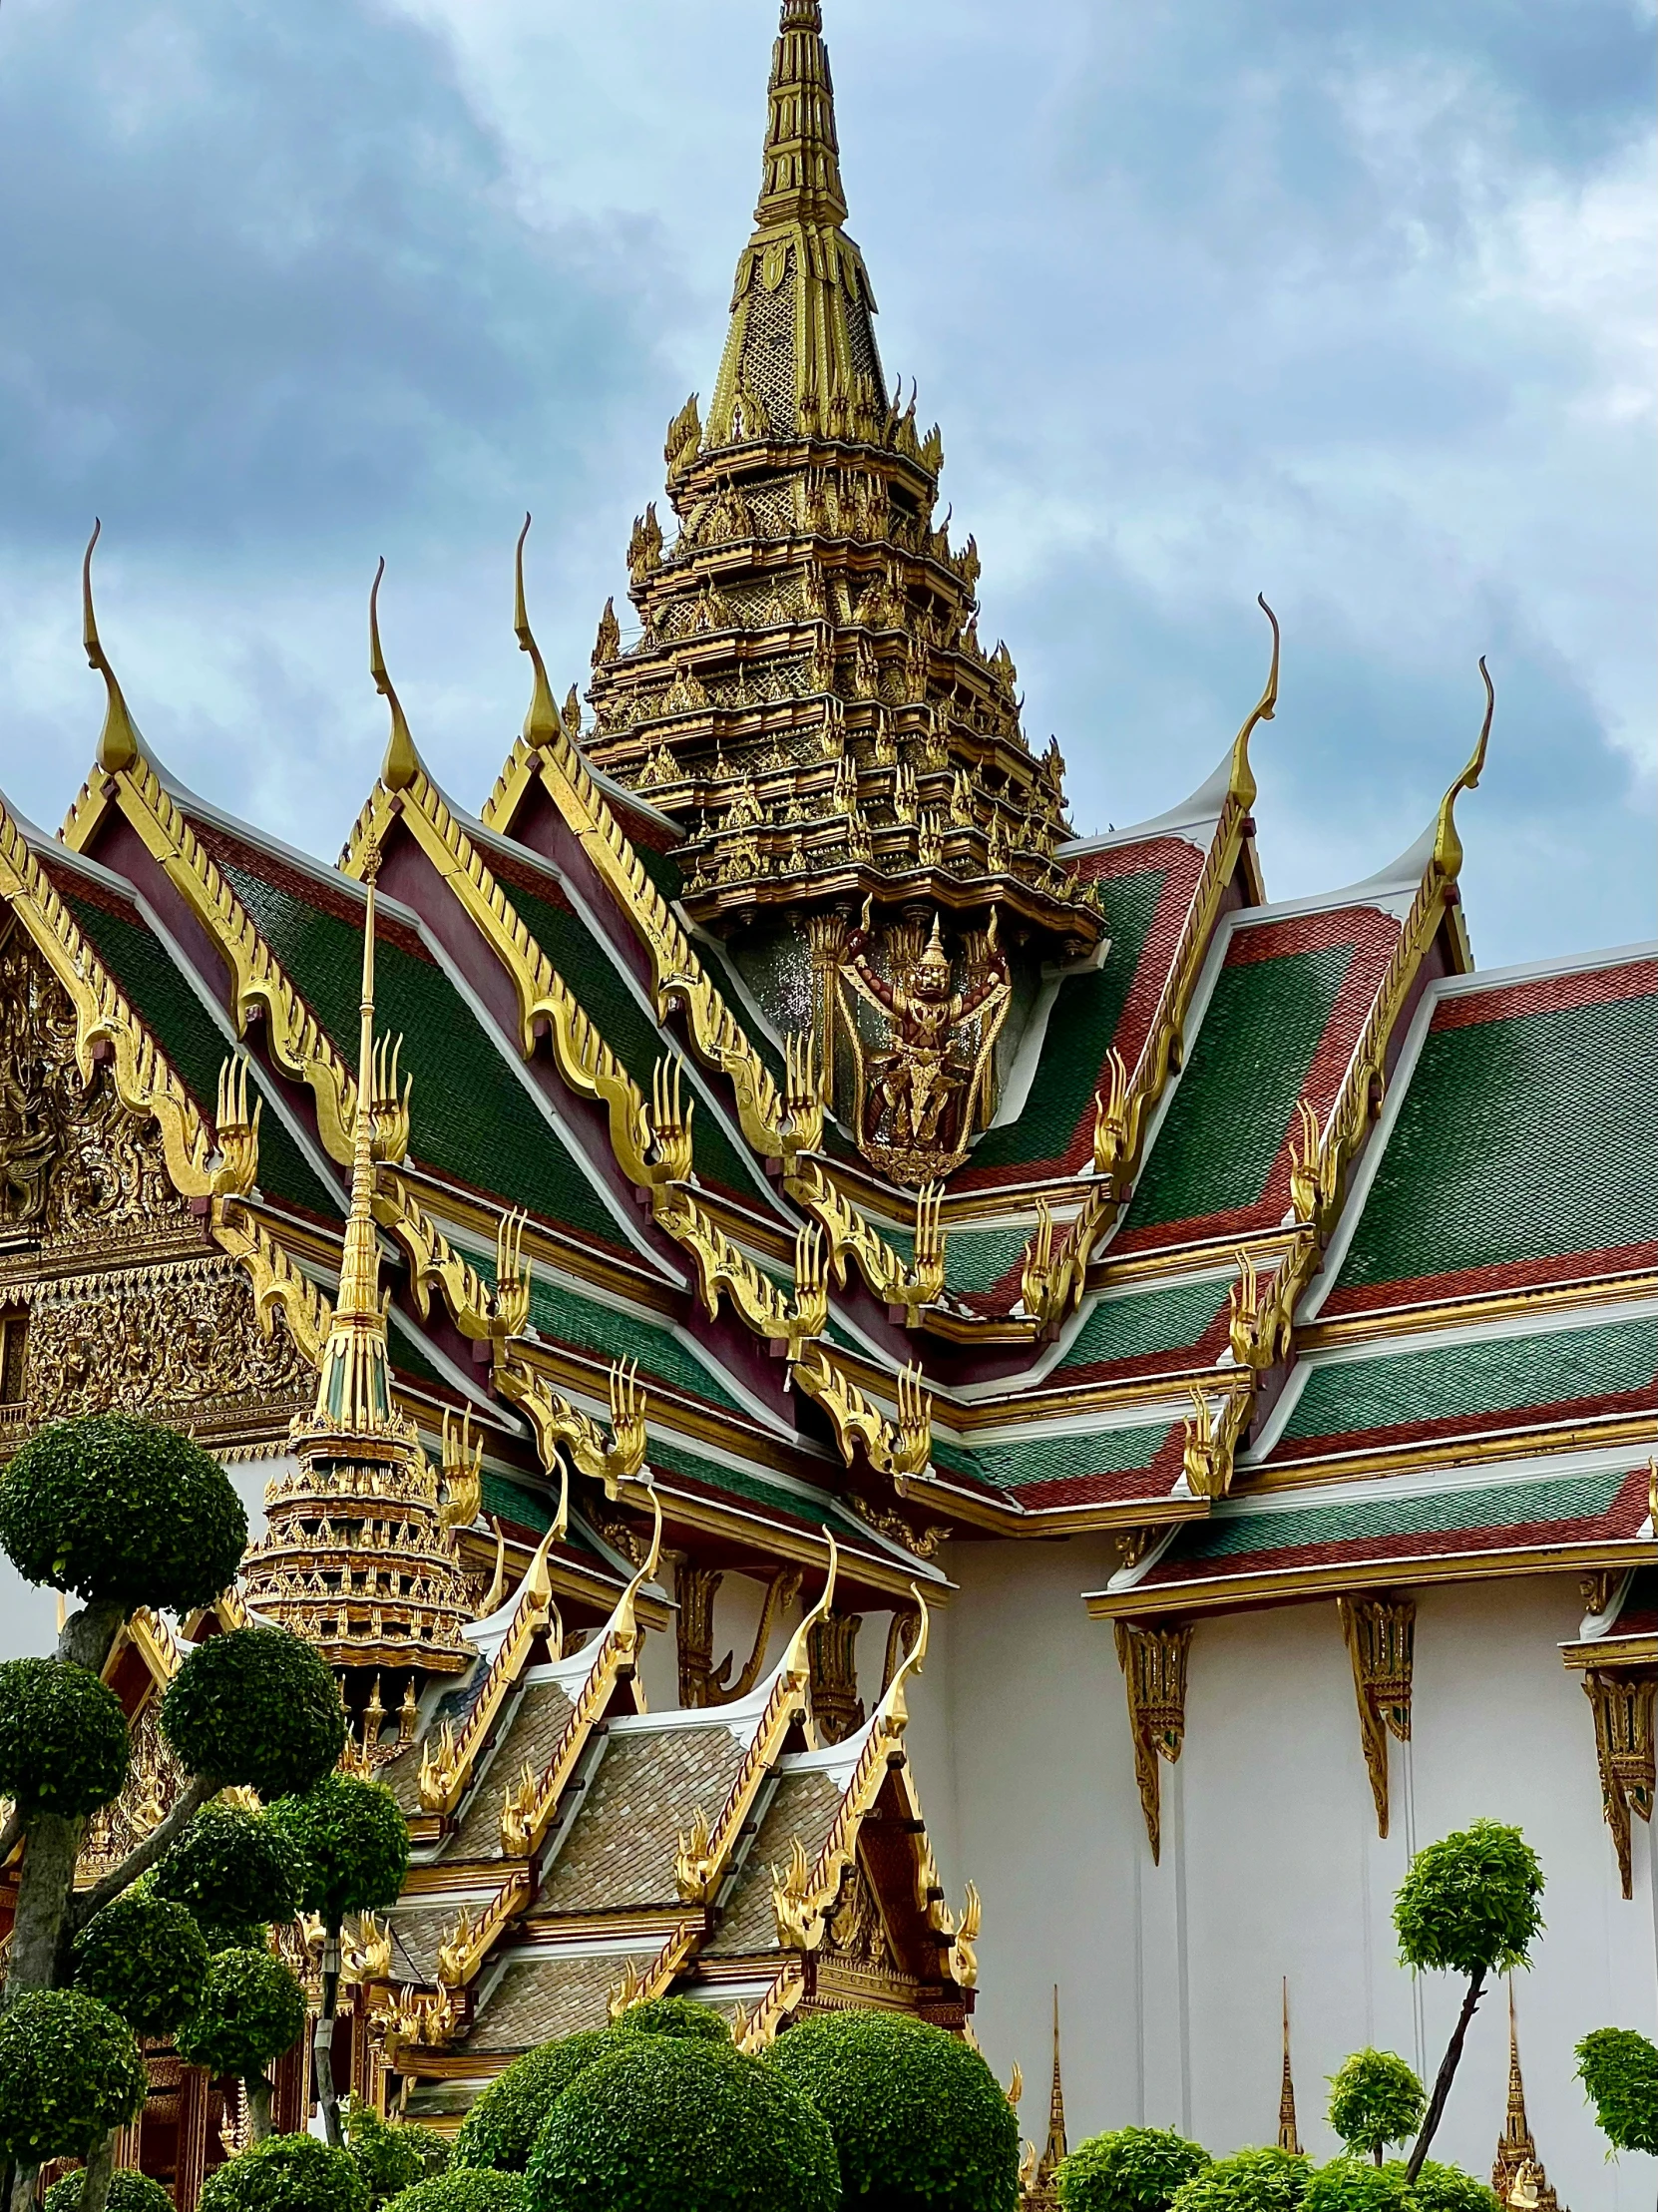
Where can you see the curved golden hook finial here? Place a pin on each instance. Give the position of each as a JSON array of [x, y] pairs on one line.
[[1242, 785], [402, 764], [622, 1620], [794, 1658], [894, 1705], [541, 726], [1448, 845], [561, 1520], [118, 742]]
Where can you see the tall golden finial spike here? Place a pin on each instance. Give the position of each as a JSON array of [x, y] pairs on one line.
[[1448, 844], [1287, 2136], [402, 764], [1056, 2149], [1243, 785], [541, 725], [118, 742], [802, 177]]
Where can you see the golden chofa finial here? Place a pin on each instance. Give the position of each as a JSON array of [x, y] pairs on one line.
[[1242, 784], [118, 742], [541, 725], [1448, 844], [402, 764]]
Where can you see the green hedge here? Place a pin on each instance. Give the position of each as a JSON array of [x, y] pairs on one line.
[[392, 2155], [251, 2011], [1248, 2182], [464, 2189], [121, 1510], [1447, 2189], [1357, 2185], [233, 1871], [500, 2130], [672, 2124], [255, 1707], [917, 2116], [63, 1737], [70, 2070], [144, 1958], [1131, 2169], [129, 2192], [286, 2174]]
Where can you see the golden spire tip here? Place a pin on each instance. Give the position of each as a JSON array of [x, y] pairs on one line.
[[118, 740], [541, 726], [402, 764]]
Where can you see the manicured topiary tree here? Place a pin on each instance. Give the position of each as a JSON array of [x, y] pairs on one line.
[[353, 1844], [1469, 1905], [918, 2118], [252, 2010], [1249, 2181], [144, 1958], [1131, 2169], [258, 1708], [69, 2074], [1355, 2185], [391, 2155], [500, 2130], [235, 1872], [677, 2016], [1619, 2069], [286, 2174], [128, 2192], [1447, 2189], [1375, 2099], [464, 2189], [674, 2123]]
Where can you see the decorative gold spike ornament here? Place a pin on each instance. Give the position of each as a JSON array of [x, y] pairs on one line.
[[1381, 1640], [1153, 1663]]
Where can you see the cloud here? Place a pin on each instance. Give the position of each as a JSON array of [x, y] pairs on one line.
[[1344, 303]]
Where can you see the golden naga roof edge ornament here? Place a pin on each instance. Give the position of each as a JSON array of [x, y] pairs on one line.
[[1242, 785], [119, 743], [1448, 844], [402, 762], [541, 725]]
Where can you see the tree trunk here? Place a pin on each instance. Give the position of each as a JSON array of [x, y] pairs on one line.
[[261, 2090], [23, 2188], [100, 2166], [322, 2040], [1448, 2069], [54, 1845], [86, 1636]]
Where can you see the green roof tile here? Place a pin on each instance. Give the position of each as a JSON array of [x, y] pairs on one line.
[[1227, 1119], [1523, 1140], [472, 1117], [975, 1259], [517, 1502], [1167, 1318], [1052, 1459], [1080, 1025], [198, 1047], [1490, 1375], [588, 1325], [670, 1456]]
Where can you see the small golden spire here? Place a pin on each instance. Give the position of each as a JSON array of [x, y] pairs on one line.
[[1289, 2137], [1242, 783], [1518, 2174], [1056, 2149], [402, 764], [119, 744], [541, 726], [1448, 845]]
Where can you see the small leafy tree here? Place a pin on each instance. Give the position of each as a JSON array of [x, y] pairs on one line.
[[69, 2074], [1375, 2099], [1352, 2185], [1469, 1905], [129, 2192], [915, 2115], [251, 2011], [1249, 2181], [1131, 2169], [144, 1958], [235, 1872], [286, 2174], [353, 1843], [674, 2123], [1618, 2068], [392, 2155], [500, 2130]]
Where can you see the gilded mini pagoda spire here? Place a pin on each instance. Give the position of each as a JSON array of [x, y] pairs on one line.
[[1289, 2134], [1518, 2174]]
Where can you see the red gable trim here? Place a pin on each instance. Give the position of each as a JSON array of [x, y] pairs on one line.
[[1632, 979], [1478, 1282]]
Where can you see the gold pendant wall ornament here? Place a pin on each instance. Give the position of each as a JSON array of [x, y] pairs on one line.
[[1380, 1633], [831, 1651], [1153, 1663], [1623, 1710]]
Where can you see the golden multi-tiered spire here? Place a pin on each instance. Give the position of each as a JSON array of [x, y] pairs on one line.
[[1517, 2175], [1289, 2135], [1040, 2192]]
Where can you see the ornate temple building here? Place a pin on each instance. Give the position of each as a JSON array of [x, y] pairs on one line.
[[805, 1334]]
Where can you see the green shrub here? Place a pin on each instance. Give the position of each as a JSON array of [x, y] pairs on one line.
[[121, 1510], [918, 2118], [255, 1707], [1619, 2069], [70, 2070], [464, 2189], [144, 1958], [1470, 1902], [286, 2174], [672, 2124], [1131, 2169], [391, 2155], [251, 2011], [1357, 2185], [129, 2192], [63, 1737], [500, 2130], [235, 1871], [677, 2016], [1248, 2182], [1375, 2099], [352, 1842], [1447, 2189]]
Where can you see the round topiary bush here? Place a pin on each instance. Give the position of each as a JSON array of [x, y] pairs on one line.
[[129, 2192], [918, 2118], [1375, 2099], [1357, 2185], [1470, 1902], [1131, 2169], [677, 2016], [252, 2010], [63, 1737], [1248, 2182], [144, 1958], [121, 1510], [1447, 2189], [352, 1842], [464, 2189], [391, 2155], [1618, 2068], [70, 2070], [233, 1871], [500, 2130], [255, 1707], [286, 2174], [672, 2123]]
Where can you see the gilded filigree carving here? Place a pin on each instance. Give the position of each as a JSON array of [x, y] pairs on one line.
[[153, 1780], [856, 1934], [1153, 1663], [1623, 1709], [1380, 1637]]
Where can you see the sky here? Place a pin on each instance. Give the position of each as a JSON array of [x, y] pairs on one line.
[[1346, 303]]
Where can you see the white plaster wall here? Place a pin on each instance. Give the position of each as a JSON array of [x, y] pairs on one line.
[[1170, 1975]]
